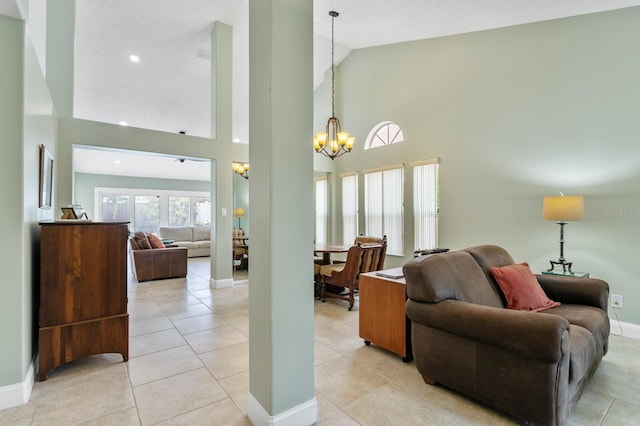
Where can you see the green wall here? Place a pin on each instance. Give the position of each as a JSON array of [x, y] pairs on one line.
[[11, 101], [514, 114], [27, 119]]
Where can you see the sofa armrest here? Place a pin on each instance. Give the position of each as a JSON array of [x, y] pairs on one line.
[[141, 255], [154, 264], [575, 290], [531, 334]]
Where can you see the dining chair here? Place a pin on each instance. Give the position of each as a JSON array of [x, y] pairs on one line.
[[340, 276], [365, 239], [240, 250]]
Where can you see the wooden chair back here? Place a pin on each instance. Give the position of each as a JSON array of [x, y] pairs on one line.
[[367, 239], [360, 258]]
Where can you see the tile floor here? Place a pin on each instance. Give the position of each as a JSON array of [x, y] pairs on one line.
[[189, 366]]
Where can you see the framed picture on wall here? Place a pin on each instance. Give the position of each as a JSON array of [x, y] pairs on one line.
[[46, 177]]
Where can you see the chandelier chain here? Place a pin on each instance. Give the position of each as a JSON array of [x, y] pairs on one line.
[[333, 73]]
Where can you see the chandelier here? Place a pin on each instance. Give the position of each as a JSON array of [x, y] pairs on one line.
[[241, 168], [333, 142]]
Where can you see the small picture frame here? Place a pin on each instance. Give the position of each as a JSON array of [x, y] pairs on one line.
[[68, 213], [46, 178]]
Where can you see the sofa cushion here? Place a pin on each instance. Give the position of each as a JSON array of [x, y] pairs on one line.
[[155, 241], [521, 288], [201, 233], [188, 244], [591, 318], [141, 240], [328, 270], [176, 233], [453, 275], [583, 354]]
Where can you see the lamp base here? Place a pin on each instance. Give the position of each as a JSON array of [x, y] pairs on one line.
[[566, 266]]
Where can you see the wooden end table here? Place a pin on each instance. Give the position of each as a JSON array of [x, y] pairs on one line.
[[383, 319]]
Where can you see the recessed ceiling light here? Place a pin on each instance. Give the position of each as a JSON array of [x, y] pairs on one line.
[[117, 162], [134, 58], [123, 123], [236, 140]]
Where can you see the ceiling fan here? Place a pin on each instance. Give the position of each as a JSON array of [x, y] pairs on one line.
[[183, 159]]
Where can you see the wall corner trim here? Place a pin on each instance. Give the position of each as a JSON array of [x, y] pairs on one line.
[[224, 283], [18, 393], [303, 414], [625, 329]]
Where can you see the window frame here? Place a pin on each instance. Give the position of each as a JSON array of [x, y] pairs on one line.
[[372, 143], [163, 195], [387, 220], [423, 218]]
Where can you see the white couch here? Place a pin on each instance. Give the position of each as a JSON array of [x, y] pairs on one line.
[[197, 239]]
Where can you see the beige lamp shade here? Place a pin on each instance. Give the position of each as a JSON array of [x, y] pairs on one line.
[[239, 212], [566, 208]]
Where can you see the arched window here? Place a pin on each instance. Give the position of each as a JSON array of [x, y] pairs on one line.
[[384, 133]]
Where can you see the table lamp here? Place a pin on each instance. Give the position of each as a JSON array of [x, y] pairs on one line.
[[563, 209], [239, 212]]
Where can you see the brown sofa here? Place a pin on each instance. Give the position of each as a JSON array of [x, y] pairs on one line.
[[157, 263], [530, 365]]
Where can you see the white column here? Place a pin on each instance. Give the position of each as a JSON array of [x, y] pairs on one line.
[[221, 174], [281, 188]]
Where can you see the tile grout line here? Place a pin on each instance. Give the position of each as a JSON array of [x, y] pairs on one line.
[[604, 415]]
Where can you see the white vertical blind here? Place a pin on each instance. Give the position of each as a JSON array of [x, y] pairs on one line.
[[393, 206], [321, 210], [373, 204], [349, 208], [425, 206], [384, 207]]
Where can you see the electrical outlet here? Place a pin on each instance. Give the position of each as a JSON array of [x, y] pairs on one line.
[[616, 300]]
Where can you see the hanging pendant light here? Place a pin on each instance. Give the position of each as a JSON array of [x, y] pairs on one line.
[[241, 168], [333, 142]]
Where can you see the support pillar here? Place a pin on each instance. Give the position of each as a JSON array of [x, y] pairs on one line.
[[221, 174], [281, 299]]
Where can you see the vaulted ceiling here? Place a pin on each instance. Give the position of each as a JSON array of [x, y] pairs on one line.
[[169, 88]]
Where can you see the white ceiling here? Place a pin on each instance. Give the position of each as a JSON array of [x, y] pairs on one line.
[[88, 159], [169, 89]]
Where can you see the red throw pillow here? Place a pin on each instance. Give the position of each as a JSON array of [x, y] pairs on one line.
[[155, 241], [521, 288], [142, 240]]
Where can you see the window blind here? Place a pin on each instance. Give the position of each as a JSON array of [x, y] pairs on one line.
[[384, 207], [425, 206], [349, 208], [321, 210]]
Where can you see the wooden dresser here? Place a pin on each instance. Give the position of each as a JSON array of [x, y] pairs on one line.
[[83, 292]]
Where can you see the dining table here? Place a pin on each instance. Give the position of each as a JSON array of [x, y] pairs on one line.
[[327, 248]]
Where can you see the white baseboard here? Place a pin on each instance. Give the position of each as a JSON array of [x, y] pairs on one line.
[[19, 393], [301, 415], [625, 329], [225, 283]]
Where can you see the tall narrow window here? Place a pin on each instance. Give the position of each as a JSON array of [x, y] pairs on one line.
[[179, 211], [321, 210], [147, 213], [349, 207], [425, 204], [384, 207], [201, 211], [116, 208]]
